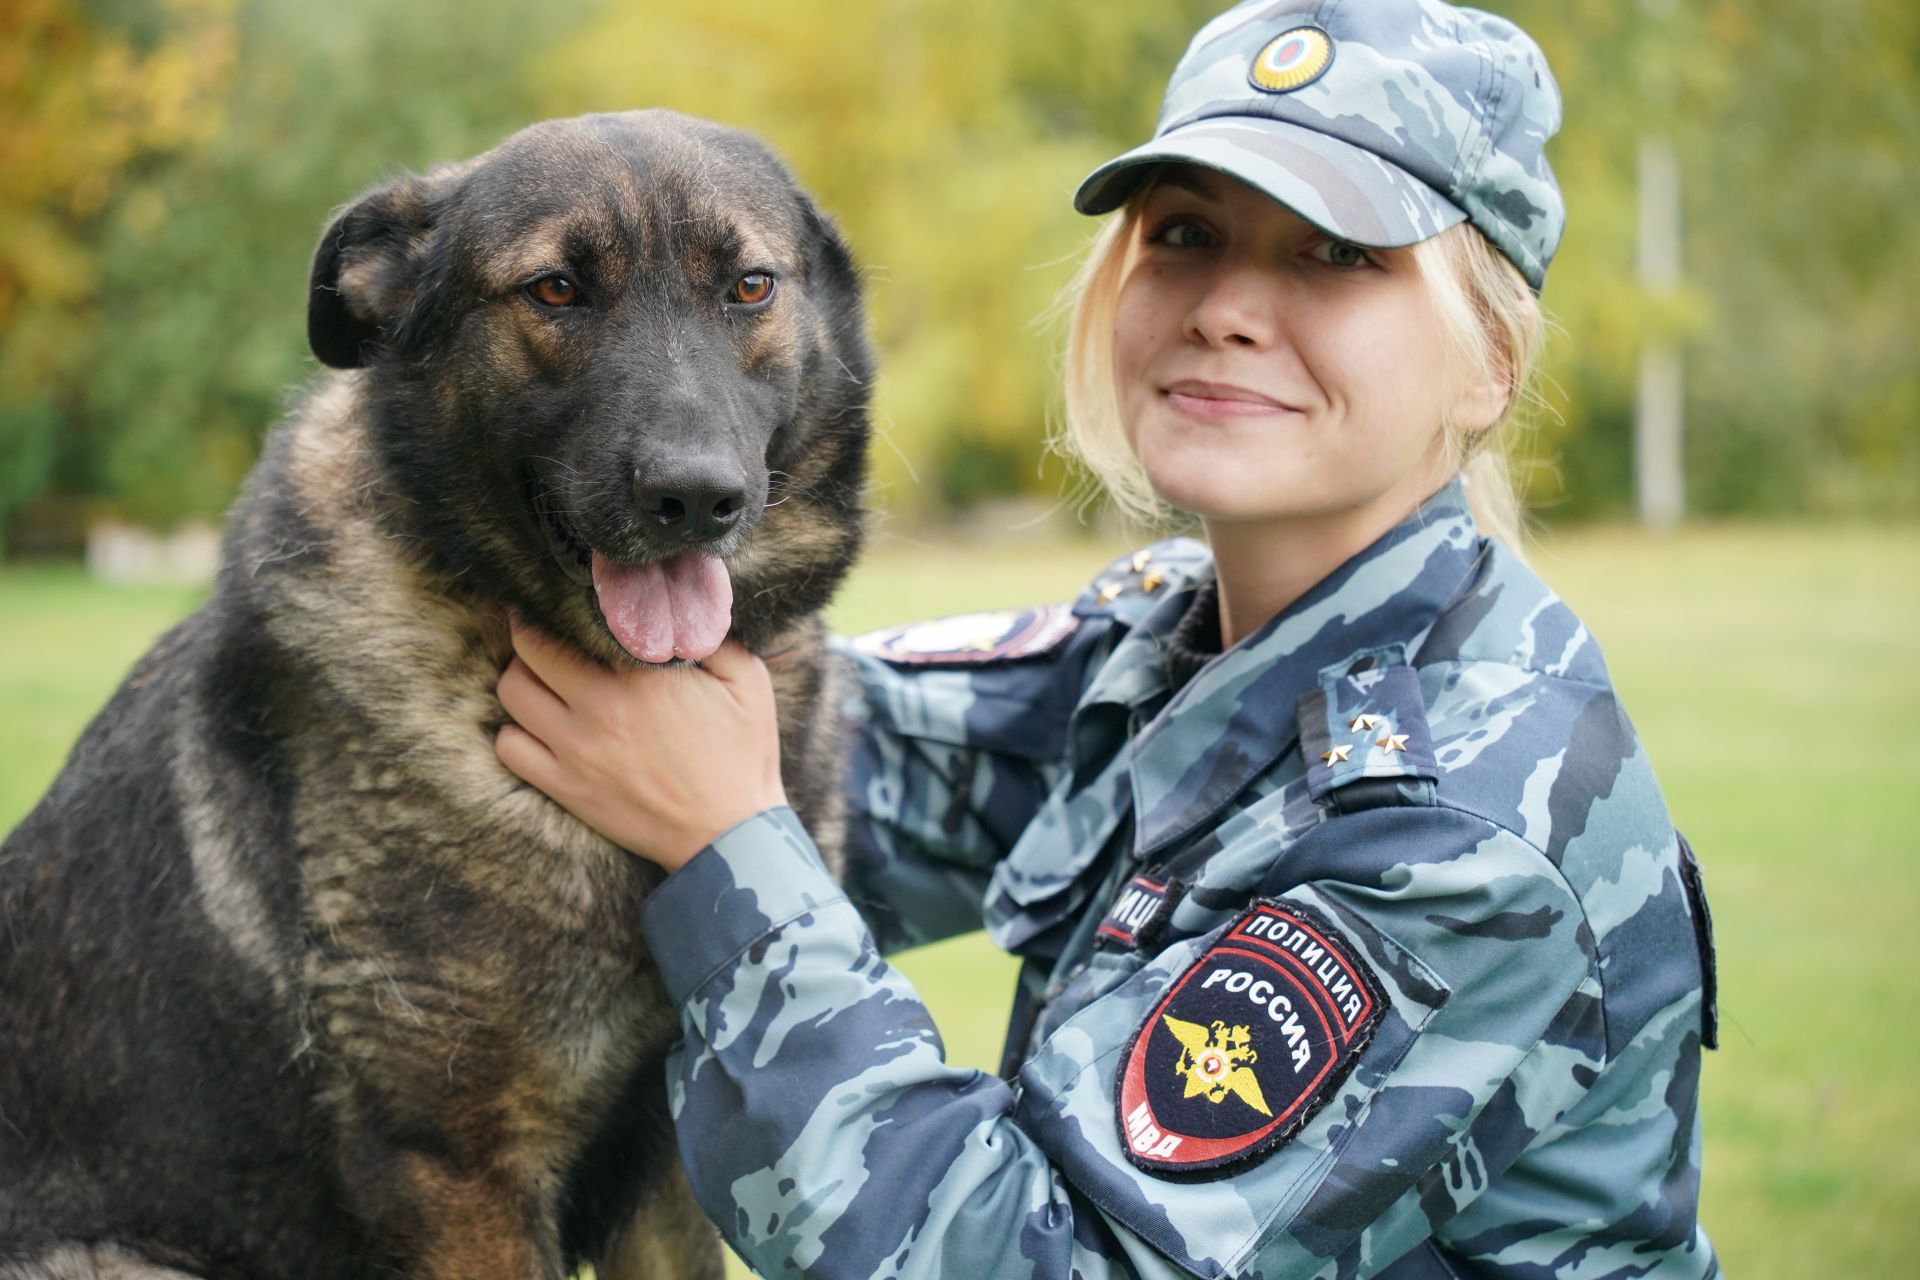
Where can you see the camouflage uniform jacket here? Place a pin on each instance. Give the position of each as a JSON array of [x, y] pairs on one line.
[[1419, 769]]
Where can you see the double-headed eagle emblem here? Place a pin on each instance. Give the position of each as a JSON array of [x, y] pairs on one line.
[[1218, 1061]]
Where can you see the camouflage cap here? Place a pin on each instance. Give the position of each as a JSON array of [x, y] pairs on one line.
[[1382, 122]]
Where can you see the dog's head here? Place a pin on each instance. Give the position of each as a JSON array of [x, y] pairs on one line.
[[618, 368]]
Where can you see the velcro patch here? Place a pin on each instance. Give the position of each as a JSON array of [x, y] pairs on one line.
[[1138, 916], [973, 638], [1249, 1042]]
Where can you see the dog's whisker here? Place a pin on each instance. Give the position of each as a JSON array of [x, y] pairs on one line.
[[541, 457]]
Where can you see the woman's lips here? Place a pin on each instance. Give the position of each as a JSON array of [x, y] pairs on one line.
[[1216, 401]]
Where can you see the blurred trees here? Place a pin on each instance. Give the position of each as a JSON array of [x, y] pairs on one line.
[[92, 100], [1798, 128], [165, 166]]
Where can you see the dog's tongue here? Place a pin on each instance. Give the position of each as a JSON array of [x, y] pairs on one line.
[[678, 608]]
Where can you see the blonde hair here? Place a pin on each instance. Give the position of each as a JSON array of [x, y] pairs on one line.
[[1491, 323]]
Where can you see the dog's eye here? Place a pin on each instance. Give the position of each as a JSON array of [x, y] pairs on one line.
[[554, 291], [751, 289]]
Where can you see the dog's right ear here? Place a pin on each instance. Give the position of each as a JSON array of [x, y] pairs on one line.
[[368, 272]]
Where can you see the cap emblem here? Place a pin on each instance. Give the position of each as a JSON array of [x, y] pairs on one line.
[[1292, 60]]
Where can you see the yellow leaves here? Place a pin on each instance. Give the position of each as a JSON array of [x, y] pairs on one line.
[[80, 104]]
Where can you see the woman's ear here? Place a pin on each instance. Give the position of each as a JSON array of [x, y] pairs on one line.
[[1481, 404], [368, 272], [1487, 395]]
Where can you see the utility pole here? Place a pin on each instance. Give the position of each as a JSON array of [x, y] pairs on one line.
[[1658, 466]]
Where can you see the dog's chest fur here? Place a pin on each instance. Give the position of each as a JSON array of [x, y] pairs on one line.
[[471, 954]]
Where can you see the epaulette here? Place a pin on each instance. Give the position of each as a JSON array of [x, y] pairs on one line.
[[1128, 589], [1364, 734], [972, 639], [1124, 591]]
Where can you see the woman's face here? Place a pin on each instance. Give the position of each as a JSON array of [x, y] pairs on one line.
[[1265, 371]]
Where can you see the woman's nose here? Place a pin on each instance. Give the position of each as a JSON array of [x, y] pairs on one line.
[[1237, 308]]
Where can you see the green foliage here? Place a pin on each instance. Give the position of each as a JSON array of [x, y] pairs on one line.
[[89, 104], [169, 164], [28, 431], [207, 272], [1796, 127]]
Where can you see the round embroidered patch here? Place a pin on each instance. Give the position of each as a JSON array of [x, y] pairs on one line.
[[1248, 1043], [1292, 60], [972, 638]]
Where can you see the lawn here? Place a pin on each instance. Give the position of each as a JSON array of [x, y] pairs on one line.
[[1770, 672]]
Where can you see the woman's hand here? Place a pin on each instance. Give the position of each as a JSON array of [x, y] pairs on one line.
[[657, 760]]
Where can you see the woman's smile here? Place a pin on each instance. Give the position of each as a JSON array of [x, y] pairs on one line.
[[1220, 401]]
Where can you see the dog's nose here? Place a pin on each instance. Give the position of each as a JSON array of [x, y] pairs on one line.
[[692, 508]]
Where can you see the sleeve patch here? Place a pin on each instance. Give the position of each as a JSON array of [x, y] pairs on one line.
[[1246, 1045], [974, 638]]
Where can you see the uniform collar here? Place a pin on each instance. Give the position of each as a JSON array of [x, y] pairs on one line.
[[1234, 719]]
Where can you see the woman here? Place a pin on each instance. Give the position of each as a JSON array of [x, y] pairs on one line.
[[1357, 938]]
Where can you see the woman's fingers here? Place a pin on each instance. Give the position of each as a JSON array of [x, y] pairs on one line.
[[559, 667], [657, 761], [533, 706], [730, 662], [528, 759]]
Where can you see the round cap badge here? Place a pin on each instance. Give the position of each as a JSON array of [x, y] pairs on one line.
[[1292, 60]]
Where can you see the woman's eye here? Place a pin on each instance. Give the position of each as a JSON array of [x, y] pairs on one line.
[[1339, 253], [1181, 234], [751, 289], [554, 291]]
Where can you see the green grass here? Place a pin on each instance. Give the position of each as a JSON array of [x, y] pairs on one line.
[[1771, 673]]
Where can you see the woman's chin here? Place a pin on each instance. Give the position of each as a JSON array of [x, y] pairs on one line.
[[1215, 486]]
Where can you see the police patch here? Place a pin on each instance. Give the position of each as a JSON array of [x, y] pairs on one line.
[[1248, 1043], [1139, 912], [1292, 60], [972, 638]]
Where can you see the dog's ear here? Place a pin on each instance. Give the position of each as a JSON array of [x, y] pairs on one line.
[[832, 273], [829, 261], [370, 272]]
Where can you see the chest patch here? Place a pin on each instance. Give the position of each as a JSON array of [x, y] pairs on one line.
[[1138, 916], [973, 638], [1245, 1045]]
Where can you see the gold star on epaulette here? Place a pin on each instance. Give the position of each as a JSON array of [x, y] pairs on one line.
[[1364, 721], [1110, 593], [1151, 583], [1336, 755], [1140, 559], [1393, 742]]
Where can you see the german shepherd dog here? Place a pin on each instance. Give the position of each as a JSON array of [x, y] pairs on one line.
[[296, 981]]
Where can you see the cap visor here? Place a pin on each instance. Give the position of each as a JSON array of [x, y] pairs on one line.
[[1343, 190]]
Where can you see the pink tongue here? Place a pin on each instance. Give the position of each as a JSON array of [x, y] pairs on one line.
[[678, 608]]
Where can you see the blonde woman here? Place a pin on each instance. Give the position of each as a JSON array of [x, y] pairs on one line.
[[1356, 937]]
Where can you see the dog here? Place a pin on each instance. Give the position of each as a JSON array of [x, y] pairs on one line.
[[296, 981]]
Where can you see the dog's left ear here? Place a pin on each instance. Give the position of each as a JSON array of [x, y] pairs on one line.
[[369, 273], [832, 272]]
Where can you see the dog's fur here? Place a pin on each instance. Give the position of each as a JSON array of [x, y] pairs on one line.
[[296, 981]]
